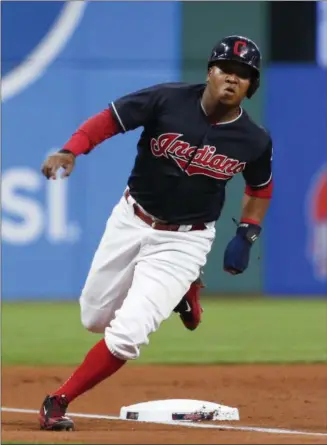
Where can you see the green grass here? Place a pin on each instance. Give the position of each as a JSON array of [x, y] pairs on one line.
[[232, 331]]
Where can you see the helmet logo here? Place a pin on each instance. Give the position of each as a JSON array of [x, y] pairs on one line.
[[238, 45]]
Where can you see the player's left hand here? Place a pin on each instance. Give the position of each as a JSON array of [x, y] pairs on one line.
[[237, 252]]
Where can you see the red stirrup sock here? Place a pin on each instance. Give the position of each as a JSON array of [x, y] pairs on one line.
[[98, 364]]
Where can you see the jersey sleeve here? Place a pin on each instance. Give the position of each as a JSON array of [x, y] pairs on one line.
[[258, 174], [136, 109]]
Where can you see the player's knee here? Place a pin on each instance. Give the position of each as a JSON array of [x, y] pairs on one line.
[[92, 320], [92, 324]]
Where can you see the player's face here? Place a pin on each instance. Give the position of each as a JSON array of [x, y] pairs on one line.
[[229, 81]]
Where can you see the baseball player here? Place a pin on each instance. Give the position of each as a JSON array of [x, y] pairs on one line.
[[196, 138]]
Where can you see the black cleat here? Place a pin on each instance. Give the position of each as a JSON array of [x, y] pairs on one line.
[[52, 414]]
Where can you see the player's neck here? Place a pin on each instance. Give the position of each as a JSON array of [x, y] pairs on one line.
[[219, 112]]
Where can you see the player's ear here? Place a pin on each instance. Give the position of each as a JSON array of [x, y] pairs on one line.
[[209, 73]]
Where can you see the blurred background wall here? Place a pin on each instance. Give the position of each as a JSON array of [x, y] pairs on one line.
[[64, 61]]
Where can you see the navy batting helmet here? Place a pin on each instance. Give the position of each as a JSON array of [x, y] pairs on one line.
[[240, 49]]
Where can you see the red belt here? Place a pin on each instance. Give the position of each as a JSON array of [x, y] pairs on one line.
[[158, 225]]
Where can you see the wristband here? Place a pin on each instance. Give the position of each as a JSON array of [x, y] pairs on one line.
[[66, 152], [249, 231]]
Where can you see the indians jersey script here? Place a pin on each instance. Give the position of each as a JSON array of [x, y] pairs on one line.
[[183, 161]]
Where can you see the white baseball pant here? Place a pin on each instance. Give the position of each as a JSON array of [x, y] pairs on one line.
[[137, 277]]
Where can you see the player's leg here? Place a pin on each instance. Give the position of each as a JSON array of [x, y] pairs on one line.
[[107, 284], [167, 266], [112, 269], [189, 308], [99, 363]]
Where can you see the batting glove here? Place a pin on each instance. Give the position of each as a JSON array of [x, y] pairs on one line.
[[237, 252]]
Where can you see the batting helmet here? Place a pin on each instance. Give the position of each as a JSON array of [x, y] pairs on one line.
[[240, 49]]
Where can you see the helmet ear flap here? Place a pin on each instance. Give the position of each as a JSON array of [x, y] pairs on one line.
[[255, 82]]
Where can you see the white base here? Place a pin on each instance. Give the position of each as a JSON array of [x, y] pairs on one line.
[[171, 410]]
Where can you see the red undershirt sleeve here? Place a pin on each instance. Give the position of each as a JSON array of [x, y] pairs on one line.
[[258, 175], [265, 192], [92, 132]]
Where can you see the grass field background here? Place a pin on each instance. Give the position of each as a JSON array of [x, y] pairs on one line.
[[232, 331]]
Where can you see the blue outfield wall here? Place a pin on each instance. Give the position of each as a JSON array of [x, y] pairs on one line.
[[295, 232], [51, 229]]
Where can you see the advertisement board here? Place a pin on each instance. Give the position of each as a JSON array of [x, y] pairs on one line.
[[296, 228], [63, 66]]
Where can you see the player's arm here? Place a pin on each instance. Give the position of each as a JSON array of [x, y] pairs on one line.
[[256, 201], [259, 187], [91, 133], [127, 113], [254, 208]]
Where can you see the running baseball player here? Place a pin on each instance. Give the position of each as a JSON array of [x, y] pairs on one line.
[[196, 138]]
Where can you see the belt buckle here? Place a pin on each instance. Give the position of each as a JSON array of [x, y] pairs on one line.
[[156, 222]]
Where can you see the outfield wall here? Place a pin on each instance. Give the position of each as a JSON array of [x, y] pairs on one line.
[[67, 65], [295, 236]]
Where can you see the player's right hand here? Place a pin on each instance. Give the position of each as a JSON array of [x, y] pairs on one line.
[[56, 161]]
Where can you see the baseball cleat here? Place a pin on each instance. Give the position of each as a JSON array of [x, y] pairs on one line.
[[52, 414], [189, 308]]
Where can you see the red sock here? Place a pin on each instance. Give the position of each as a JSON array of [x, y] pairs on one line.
[[98, 364]]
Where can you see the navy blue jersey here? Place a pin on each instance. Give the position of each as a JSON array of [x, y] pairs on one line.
[[183, 161]]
